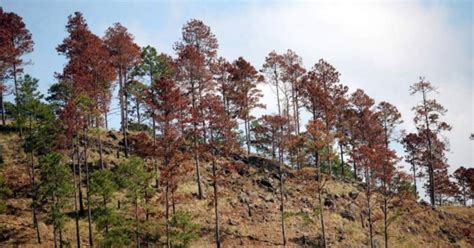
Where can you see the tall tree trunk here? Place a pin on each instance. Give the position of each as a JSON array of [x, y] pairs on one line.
[[99, 140], [157, 179], [147, 201], [320, 201], [198, 174], [216, 202], [106, 210], [106, 121], [195, 142], [167, 216], [355, 170], [137, 230], [297, 113], [60, 238], [2, 105], [369, 208], [81, 198], [55, 239], [122, 110], [173, 202], [385, 188], [342, 159], [33, 184], [432, 186], [282, 203], [152, 114], [414, 180], [35, 218], [76, 211], [125, 87], [247, 136], [430, 153], [293, 102], [277, 86], [55, 227], [17, 103], [89, 211], [385, 221]]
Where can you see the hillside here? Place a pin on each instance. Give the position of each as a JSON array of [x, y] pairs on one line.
[[249, 207]]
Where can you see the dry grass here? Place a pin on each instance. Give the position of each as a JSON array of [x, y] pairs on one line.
[[418, 226]]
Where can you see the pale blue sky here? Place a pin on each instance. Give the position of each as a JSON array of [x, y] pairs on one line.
[[380, 46]]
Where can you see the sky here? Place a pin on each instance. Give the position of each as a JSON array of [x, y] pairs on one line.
[[380, 46]]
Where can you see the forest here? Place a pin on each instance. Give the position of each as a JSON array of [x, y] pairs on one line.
[[190, 130]]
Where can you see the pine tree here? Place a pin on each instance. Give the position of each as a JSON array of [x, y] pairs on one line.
[[389, 118], [318, 141], [16, 41], [369, 148], [414, 149], [192, 75], [247, 96], [153, 66], [125, 55], [87, 76], [167, 103], [103, 186], [133, 177], [40, 135], [465, 183], [429, 126], [54, 189], [318, 89], [222, 142]]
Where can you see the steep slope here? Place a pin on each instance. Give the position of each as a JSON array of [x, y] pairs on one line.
[[249, 208]]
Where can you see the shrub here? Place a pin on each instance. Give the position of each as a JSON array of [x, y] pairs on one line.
[[183, 230]]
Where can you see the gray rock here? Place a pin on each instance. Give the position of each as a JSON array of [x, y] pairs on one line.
[[329, 202], [243, 198], [347, 214], [232, 222], [266, 183], [353, 195], [269, 198]]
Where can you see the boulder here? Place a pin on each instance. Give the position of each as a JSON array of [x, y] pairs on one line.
[[232, 222], [347, 214], [329, 202], [243, 198], [269, 198], [353, 195], [266, 183]]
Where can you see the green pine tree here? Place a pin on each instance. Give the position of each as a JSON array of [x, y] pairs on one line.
[[54, 190]]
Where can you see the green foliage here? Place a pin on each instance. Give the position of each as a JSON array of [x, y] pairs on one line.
[[337, 168], [132, 176], [10, 109], [28, 96], [133, 126], [118, 236], [36, 116], [183, 230], [54, 188], [104, 186], [151, 231], [153, 64], [58, 94]]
